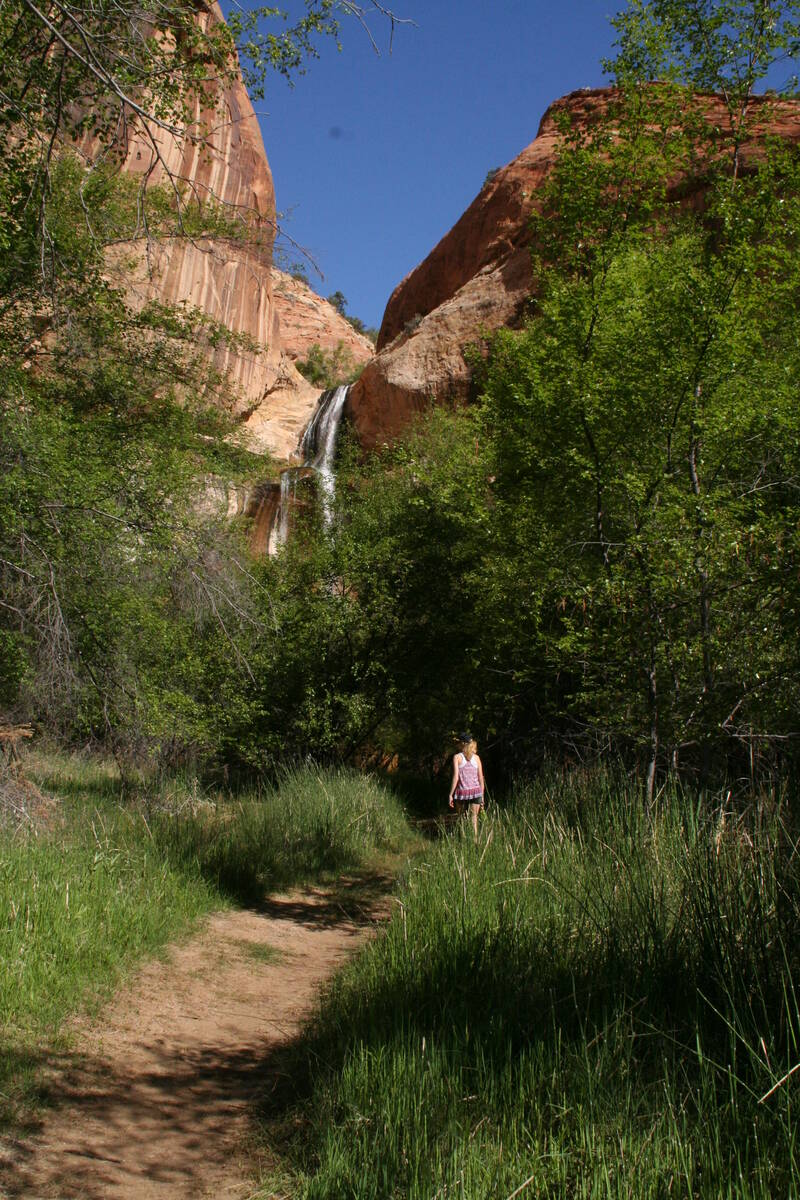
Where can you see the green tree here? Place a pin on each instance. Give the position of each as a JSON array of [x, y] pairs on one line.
[[338, 300], [328, 368], [377, 616]]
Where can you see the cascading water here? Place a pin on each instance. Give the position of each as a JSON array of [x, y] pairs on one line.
[[318, 447], [319, 443], [279, 530]]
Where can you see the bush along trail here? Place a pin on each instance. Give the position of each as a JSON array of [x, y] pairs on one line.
[[150, 1093]]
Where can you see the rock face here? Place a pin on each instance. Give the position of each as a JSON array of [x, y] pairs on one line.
[[307, 320], [478, 278], [229, 280]]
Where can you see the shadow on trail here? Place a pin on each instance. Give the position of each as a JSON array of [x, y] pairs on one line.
[[193, 1097], [357, 898]]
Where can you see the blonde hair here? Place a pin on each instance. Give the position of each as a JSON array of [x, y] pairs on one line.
[[466, 746]]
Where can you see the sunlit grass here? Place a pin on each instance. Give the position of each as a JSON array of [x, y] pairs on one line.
[[312, 824]]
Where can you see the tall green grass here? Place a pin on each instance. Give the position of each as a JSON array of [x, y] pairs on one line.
[[310, 824], [588, 1002], [111, 881]]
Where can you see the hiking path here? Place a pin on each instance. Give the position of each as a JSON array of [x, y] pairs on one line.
[[154, 1098]]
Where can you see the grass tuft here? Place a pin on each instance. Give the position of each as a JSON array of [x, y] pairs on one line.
[[314, 823], [262, 953]]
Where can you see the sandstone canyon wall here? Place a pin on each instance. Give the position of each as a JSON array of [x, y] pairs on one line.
[[478, 278], [230, 280], [307, 320]]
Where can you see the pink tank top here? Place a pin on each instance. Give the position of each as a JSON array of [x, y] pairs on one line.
[[469, 783]]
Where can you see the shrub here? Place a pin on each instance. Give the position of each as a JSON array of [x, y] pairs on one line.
[[328, 368]]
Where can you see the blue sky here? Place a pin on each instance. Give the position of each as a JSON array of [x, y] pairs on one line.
[[374, 158]]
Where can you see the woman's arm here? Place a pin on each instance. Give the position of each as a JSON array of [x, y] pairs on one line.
[[454, 781], [480, 776]]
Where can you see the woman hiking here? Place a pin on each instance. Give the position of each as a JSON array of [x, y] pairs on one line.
[[467, 786]]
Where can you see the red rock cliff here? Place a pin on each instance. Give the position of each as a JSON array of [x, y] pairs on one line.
[[307, 320], [478, 278], [230, 280]]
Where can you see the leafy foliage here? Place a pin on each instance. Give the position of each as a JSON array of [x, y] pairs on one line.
[[338, 300], [328, 368], [111, 424], [599, 556], [722, 46]]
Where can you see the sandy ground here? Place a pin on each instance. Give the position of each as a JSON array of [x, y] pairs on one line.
[[154, 1101]]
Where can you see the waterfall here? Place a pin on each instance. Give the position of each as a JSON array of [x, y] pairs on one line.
[[318, 448], [319, 443], [279, 528]]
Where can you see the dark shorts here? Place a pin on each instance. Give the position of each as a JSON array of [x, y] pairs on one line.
[[462, 803]]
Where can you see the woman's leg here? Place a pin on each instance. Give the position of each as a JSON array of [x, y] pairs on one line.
[[474, 809]]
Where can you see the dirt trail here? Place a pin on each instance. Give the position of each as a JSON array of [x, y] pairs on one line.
[[155, 1101]]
